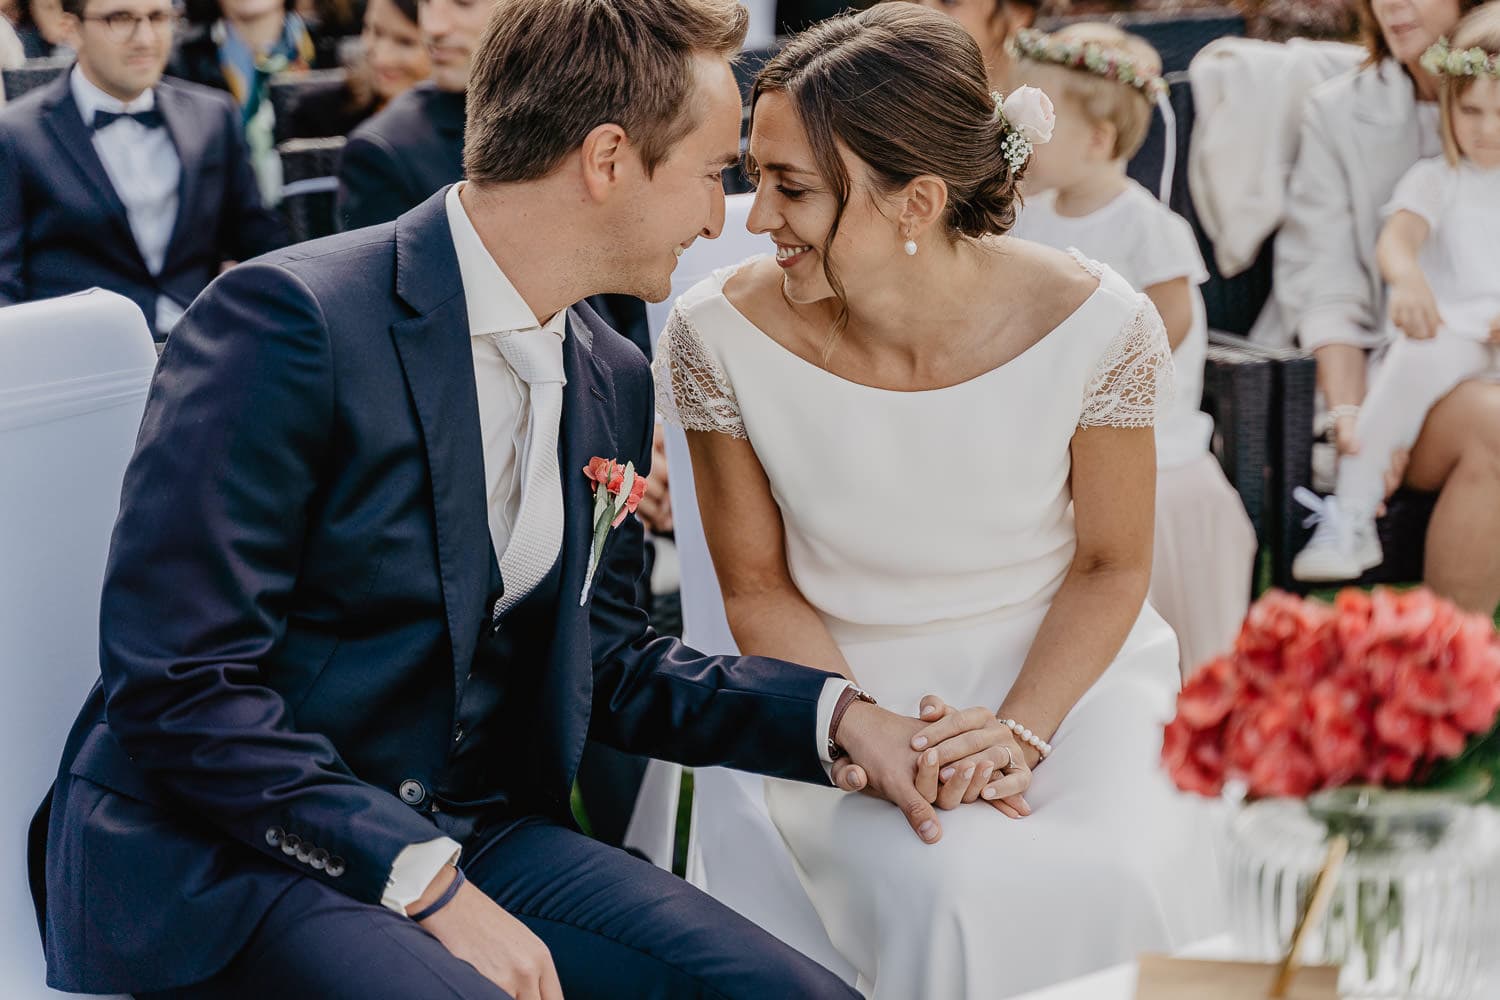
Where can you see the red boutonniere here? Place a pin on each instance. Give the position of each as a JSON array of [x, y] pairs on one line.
[[617, 492]]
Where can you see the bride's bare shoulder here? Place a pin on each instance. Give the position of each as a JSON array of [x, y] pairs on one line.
[[755, 286], [1055, 276]]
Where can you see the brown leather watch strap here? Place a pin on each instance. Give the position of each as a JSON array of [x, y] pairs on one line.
[[847, 697]]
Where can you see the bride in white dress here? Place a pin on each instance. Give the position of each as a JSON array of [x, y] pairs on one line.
[[924, 458]]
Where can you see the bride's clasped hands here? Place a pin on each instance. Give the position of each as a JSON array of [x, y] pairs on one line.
[[954, 757]]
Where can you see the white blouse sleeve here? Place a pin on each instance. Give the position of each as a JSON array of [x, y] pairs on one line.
[[1132, 383], [692, 390]]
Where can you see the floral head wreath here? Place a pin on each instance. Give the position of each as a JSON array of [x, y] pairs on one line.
[[1091, 57], [1444, 60], [1027, 117]]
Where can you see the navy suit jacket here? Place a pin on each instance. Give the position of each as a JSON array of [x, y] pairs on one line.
[[396, 159], [294, 601], [63, 227]]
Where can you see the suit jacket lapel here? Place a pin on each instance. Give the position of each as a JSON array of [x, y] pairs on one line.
[[76, 139], [190, 137], [439, 366], [587, 404], [585, 432]]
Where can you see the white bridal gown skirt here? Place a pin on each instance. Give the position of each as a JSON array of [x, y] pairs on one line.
[[1112, 861]]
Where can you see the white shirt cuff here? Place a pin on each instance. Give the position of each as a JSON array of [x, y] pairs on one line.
[[827, 702], [414, 869]]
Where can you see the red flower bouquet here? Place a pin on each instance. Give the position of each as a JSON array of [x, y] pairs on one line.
[[1389, 688]]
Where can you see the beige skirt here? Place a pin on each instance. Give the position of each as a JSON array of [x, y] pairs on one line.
[[1204, 559]]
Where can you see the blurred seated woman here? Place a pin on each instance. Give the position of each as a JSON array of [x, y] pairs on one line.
[[1360, 134], [393, 58], [238, 45]]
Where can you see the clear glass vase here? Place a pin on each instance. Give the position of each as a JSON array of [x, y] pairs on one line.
[[1416, 911]]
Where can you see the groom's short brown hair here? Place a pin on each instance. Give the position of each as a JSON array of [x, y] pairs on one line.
[[548, 72]]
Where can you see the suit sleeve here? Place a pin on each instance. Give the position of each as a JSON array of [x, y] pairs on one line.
[[372, 188], [1320, 280], [249, 227], [205, 555], [656, 697], [12, 224]]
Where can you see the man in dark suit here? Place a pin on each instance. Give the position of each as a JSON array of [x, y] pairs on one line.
[[355, 629], [397, 159], [115, 178]]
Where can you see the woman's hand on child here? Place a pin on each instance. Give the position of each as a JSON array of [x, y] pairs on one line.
[[1414, 310]]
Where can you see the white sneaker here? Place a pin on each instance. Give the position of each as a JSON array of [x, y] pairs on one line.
[[1343, 546]]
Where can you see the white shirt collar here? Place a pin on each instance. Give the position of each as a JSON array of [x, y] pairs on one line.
[[90, 98], [493, 302]]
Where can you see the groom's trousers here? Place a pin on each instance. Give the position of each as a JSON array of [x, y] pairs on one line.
[[617, 928]]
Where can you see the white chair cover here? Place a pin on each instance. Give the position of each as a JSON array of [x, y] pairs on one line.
[[734, 853], [73, 378]]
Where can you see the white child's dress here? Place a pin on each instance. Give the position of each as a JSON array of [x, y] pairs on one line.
[[1461, 206], [930, 530], [1205, 545]]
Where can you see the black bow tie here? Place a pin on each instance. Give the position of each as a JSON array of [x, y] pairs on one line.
[[150, 119]]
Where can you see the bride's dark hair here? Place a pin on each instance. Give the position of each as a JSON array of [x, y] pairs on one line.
[[903, 88]]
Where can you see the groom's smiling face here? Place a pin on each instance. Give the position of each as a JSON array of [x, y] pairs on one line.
[[683, 199]]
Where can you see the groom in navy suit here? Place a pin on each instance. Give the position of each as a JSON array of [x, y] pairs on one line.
[[354, 634]]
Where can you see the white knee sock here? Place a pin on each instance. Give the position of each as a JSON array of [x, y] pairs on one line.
[[1414, 375]]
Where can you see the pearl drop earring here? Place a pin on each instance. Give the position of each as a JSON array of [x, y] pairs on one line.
[[910, 248]]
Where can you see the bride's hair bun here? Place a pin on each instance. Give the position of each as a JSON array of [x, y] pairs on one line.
[[904, 89]]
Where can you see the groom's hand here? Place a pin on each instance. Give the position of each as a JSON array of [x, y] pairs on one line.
[[474, 928], [881, 762]]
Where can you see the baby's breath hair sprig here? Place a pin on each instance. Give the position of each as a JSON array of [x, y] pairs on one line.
[[1091, 57], [1444, 60]]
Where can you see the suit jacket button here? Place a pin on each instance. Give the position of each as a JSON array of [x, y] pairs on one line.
[[274, 836], [335, 866], [412, 792], [290, 843], [319, 859], [304, 851]]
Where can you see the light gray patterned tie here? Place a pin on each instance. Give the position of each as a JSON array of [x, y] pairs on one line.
[[534, 542]]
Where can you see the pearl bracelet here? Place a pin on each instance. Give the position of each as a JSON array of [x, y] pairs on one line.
[[1026, 736]]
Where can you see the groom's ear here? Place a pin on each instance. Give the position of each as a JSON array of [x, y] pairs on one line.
[[924, 200], [604, 155]]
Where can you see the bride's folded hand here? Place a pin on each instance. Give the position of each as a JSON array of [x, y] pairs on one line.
[[977, 758]]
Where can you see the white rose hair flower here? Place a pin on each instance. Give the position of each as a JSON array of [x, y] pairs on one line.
[[1028, 118], [1030, 112]]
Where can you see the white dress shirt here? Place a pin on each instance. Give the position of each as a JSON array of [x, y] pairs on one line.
[[143, 167], [494, 306]]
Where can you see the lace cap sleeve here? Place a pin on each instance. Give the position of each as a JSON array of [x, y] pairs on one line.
[[692, 390], [1133, 381]]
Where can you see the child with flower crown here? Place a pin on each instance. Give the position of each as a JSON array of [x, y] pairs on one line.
[[1436, 254], [1104, 83]]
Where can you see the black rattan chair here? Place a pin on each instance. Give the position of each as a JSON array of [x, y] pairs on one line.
[[309, 172]]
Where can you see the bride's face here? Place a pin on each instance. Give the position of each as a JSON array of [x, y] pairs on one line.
[[796, 207]]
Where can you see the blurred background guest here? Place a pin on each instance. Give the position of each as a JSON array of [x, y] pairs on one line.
[[39, 23], [1360, 134], [991, 23], [238, 45], [392, 60], [116, 179], [397, 159]]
